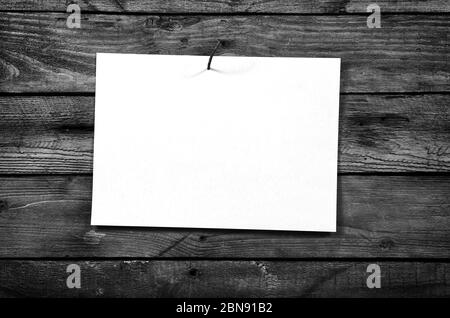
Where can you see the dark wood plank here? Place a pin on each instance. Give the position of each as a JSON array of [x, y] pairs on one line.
[[231, 6], [46, 134], [378, 133], [408, 54], [223, 279], [378, 216]]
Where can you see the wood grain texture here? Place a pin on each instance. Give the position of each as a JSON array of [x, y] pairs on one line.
[[378, 216], [408, 54], [46, 134], [378, 133], [223, 279], [229, 6]]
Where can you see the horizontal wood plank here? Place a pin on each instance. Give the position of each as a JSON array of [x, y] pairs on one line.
[[378, 216], [230, 6], [46, 134], [378, 133], [408, 54], [223, 279]]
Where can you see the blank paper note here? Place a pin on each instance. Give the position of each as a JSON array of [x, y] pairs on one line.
[[250, 144]]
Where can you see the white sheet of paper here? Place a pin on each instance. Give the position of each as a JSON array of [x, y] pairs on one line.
[[250, 144]]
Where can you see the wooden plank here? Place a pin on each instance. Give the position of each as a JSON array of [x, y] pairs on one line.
[[408, 54], [223, 279], [230, 6], [46, 134], [378, 216], [378, 133]]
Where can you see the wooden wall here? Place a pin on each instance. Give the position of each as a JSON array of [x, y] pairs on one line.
[[394, 151]]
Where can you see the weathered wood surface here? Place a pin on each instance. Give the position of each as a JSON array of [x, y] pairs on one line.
[[378, 133], [223, 279], [408, 54], [378, 216], [46, 134], [230, 6]]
